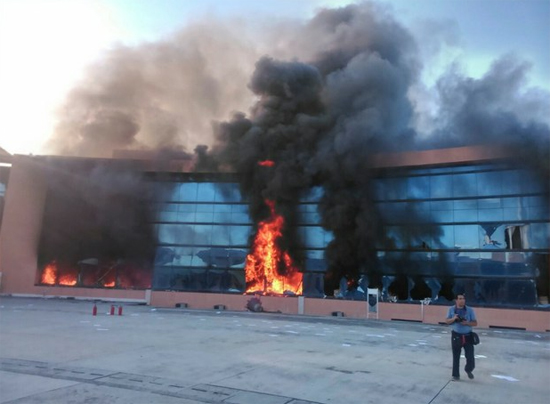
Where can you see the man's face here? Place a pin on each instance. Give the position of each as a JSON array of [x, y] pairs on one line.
[[460, 301]]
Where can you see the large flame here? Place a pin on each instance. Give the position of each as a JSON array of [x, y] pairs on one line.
[[266, 257]]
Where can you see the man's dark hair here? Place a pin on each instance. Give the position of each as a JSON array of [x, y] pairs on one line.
[[460, 294]]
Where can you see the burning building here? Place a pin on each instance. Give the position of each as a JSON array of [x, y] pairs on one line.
[[325, 189]]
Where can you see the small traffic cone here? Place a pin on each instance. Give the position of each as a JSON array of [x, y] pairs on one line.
[[94, 310], [120, 310]]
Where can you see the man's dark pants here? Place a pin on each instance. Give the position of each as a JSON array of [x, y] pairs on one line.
[[457, 342]]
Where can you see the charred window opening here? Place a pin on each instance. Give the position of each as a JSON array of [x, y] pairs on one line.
[[513, 236], [96, 229]]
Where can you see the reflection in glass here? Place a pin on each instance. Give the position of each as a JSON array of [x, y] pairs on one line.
[[464, 185], [187, 192], [489, 183], [206, 192], [466, 236], [418, 187], [441, 186]]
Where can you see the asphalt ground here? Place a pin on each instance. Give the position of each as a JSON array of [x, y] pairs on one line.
[[56, 351]]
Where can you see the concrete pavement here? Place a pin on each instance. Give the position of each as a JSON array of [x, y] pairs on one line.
[[55, 351]]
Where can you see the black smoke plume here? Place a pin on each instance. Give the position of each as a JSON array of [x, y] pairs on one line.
[[98, 212], [326, 95]]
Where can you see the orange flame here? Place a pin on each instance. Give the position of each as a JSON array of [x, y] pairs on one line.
[[266, 163], [49, 274], [67, 280], [110, 284], [262, 263]]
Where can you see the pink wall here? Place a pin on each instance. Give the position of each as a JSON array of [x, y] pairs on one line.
[[21, 225], [530, 320]]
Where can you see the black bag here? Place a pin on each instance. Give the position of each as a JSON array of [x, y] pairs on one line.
[[475, 338]]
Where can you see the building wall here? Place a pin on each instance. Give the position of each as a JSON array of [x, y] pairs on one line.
[[538, 321], [22, 226]]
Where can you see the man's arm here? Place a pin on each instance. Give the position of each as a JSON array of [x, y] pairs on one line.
[[450, 318], [473, 319]]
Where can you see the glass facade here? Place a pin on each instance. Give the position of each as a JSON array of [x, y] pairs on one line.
[[484, 229], [203, 231], [202, 228]]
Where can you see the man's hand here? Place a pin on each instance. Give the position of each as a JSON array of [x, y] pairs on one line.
[[452, 319]]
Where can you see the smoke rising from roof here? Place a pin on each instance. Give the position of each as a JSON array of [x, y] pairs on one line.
[[323, 95]]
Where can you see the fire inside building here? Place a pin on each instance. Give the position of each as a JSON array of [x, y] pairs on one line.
[[464, 219]]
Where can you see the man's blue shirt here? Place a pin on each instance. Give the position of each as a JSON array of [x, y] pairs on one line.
[[467, 313]]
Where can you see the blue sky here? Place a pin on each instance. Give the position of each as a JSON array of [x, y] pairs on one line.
[[46, 45]]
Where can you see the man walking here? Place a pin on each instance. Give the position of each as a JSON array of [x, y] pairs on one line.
[[462, 318]]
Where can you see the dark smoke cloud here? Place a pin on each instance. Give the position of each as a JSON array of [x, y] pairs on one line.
[[284, 127], [368, 65], [497, 109], [327, 93], [97, 210]]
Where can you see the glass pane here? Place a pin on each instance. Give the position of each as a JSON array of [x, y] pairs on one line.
[[466, 215], [539, 213], [536, 201], [464, 185], [206, 192], [486, 215], [489, 203], [529, 182], [175, 234], [187, 217], [391, 188], [539, 235], [162, 277], [511, 181], [314, 237], [489, 183], [240, 218], [441, 205], [204, 217], [203, 234], [220, 257], [465, 204], [510, 202], [205, 207], [419, 187], [188, 192], [309, 218], [442, 216], [441, 186], [314, 194], [227, 192], [222, 208], [466, 236]]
